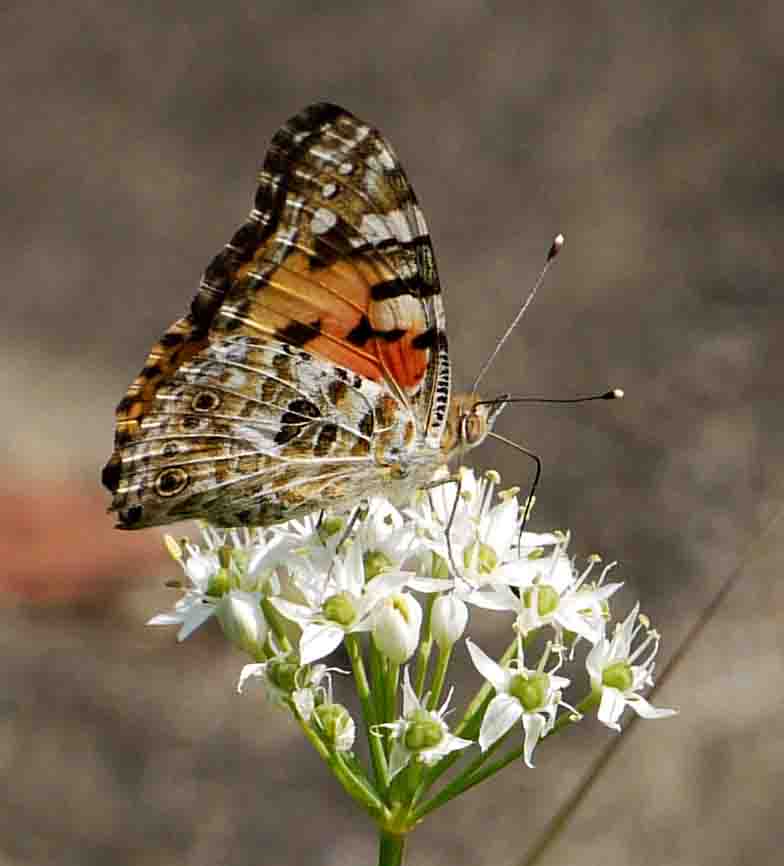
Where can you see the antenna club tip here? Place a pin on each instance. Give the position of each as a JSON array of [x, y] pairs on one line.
[[555, 247], [614, 394]]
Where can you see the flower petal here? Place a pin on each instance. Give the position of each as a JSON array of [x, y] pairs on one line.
[[611, 707], [319, 640], [197, 615], [398, 759], [647, 710], [410, 700], [248, 671], [490, 670], [533, 724], [298, 613], [502, 712], [165, 619]]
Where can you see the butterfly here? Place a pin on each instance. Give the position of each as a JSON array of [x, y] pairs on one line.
[[312, 369]]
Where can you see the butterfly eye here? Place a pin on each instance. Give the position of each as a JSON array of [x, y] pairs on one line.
[[170, 482], [473, 429], [205, 401]]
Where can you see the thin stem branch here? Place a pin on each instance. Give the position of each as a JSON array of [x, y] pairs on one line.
[[377, 755]]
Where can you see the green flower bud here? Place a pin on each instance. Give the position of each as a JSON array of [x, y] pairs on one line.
[[340, 609], [423, 732], [375, 562], [618, 676], [531, 690]]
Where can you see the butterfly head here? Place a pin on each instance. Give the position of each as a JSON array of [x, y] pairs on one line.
[[470, 420]]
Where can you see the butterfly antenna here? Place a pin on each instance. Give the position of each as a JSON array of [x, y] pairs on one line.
[[555, 248], [507, 399]]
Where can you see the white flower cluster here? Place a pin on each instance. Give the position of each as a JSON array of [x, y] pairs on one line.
[[292, 594]]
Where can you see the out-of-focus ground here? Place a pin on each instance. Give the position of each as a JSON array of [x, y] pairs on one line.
[[650, 134]]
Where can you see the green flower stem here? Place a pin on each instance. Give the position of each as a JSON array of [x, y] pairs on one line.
[[438, 677], [276, 624], [378, 680], [468, 728], [460, 783], [425, 647], [478, 773], [354, 783], [483, 694], [391, 847], [377, 755], [392, 680], [478, 770]]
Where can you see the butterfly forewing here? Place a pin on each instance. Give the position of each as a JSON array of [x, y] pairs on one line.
[[314, 349]]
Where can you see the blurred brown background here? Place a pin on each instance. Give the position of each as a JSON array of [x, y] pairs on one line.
[[650, 135]]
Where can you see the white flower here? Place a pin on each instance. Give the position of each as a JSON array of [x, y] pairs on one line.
[[560, 597], [396, 623], [420, 734], [214, 570], [287, 680], [612, 669], [387, 538], [531, 695], [340, 603], [487, 551], [448, 619], [335, 725]]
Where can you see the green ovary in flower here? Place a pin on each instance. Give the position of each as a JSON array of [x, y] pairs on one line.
[[530, 690], [376, 561], [547, 599], [282, 674], [340, 608], [618, 676], [424, 732], [486, 557]]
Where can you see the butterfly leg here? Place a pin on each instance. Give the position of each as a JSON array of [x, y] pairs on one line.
[[529, 501], [360, 512], [456, 479]]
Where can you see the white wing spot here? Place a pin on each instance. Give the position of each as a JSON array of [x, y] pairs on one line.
[[323, 220], [328, 190], [386, 159], [402, 225], [346, 167]]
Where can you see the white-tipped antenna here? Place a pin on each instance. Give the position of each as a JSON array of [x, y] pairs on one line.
[[555, 248]]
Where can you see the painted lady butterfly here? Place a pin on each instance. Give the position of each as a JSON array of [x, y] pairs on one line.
[[312, 369]]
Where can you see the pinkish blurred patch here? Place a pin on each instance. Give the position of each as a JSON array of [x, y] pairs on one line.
[[58, 545]]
